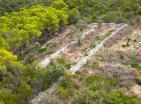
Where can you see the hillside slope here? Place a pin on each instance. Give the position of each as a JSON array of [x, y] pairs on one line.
[[112, 75], [70, 51]]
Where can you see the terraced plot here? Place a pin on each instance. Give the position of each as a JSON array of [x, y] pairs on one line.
[[77, 48], [105, 34], [115, 68]]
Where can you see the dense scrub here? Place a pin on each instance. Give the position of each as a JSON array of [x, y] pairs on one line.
[[107, 10], [22, 27], [103, 97], [17, 5], [94, 10], [13, 83]]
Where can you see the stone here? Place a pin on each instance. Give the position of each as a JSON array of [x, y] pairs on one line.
[[136, 89]]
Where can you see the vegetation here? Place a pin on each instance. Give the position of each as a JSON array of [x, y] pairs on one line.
[[100, 97], [39, 20], [25, 22], [67, 87], [135, 64], [107, 11], [22, 27], [13, 83], [101, 91], [17, 5], [41, 50]]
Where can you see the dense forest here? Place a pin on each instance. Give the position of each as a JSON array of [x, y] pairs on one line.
[[23, 23]]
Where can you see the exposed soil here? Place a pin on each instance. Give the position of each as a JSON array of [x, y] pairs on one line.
[[75, 51]]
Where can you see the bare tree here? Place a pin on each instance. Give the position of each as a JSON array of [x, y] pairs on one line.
[[128, 39]]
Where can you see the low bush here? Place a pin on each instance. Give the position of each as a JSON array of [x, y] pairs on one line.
[[118, 97], [138, 81], [67, 87], [51, 76], [104, 97], [41, 50], [135, 64], [89, 79]]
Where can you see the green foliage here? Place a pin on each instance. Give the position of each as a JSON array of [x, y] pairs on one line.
[[118, 97], [13, 5], [67, 87], [138, 81], [136, 20], [81, 24], [9, 66], [41, 50], [103, 97], [24, 92], [26, 23], [73, 3], [51, 76], [107, 10], [95, 82], [74, 15], [22, 27], [60, 5], [16, 5], [7, 97], [85, 97], [63, 18], [110, 32], [94, 64], [135, 64], [44, 78], [89, 80], [93, 45], [13, 83], [113, 81]]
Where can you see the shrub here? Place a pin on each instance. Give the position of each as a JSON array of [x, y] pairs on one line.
[[138, 81], [74, 16], [67, 87], [103, 97], [93, 45], [95, 82], [51, 76], [136, 20], [87, 97], [113, 81], [23, 27], [60, 5], [89, 79], [135, 64], [41, 50], [6, 97], [118, 97], [109, 32]]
